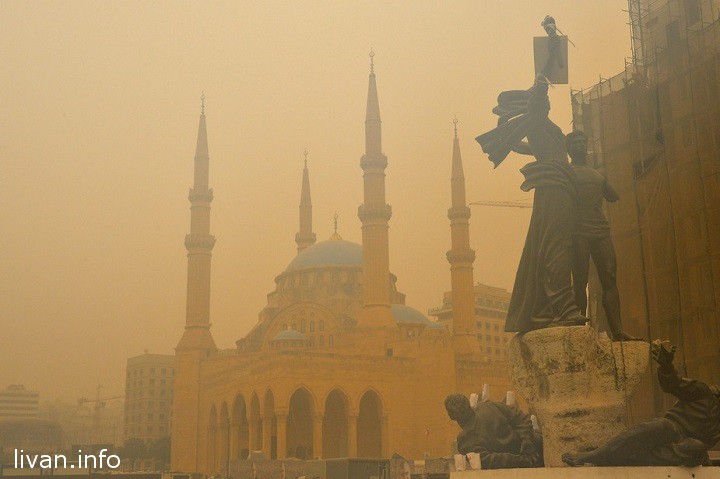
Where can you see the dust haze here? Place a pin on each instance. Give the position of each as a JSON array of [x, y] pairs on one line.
[[100, 106]]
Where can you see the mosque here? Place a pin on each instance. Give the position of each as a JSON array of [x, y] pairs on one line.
[[337, 364]]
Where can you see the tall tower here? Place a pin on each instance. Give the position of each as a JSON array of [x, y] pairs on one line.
[[374, 214], [196, 342], [305, 236], [461, 259]]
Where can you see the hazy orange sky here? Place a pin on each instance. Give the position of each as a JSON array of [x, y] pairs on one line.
[[100, 105]]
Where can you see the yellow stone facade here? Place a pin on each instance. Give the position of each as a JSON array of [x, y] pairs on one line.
[[337, 365]]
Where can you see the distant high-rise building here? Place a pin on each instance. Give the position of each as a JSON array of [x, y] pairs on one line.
[[17, 401], [491, 305], [148, 396]]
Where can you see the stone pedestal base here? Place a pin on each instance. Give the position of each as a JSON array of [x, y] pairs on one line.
[[577, 385]]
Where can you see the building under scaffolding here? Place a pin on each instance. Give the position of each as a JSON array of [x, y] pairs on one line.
[[655, 131]]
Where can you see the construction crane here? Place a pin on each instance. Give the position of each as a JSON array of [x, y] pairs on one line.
[[99, 402], [506, 204]]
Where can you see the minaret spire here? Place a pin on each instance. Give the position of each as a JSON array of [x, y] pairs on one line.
[[199, 244], [375, 214], [305, 236], [197, 341], [461, 259]]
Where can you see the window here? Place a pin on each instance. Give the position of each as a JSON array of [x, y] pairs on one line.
[[321, 340], [294, 326], [497, 339], [488, 338], [152, 382], [163, 371], [162, 392], [321, 325], [497, 351], [487, 326], [152, 371], [331, 340], [489, 350], [312, 326], [302, 325], [285, 327], [496, 327]]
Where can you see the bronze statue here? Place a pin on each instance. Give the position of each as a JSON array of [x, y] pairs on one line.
[[503, 436], [681, 438], [591, 235], [542, 295]]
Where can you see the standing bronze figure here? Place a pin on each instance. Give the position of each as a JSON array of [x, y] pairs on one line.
[[591, 236], [542, 295]]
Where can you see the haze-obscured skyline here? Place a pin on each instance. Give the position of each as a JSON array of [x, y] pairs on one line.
[[99, 122]]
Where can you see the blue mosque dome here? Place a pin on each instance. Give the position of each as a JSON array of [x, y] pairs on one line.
[[406, 314], [289, 334], [334, 252]]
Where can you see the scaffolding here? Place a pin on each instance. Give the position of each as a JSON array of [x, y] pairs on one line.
[[654, 130]]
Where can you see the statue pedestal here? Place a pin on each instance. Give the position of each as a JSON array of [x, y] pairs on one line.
[[577, 385]]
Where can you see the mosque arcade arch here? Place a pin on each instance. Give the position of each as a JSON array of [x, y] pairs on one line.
[[303, 429]]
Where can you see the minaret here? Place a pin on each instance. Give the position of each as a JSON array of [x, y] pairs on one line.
[[305, 236], [374, 214], [199, 244], [196, 342], [461, 259]]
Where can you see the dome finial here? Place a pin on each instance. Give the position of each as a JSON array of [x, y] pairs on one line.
[[202, 103], [372, 63], [335, 235], [455, 122], [305, 153]]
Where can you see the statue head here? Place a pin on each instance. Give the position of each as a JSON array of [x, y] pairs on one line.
[[458, 407], [576, 144]]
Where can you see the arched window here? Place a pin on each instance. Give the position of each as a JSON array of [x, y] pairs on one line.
[[294, 326], [312, 326], [321, 340], [321, 326], [331, 340], [302, 325]]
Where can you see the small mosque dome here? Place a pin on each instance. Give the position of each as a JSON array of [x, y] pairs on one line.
[[333, 252], [288, 335], [405, 314]]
